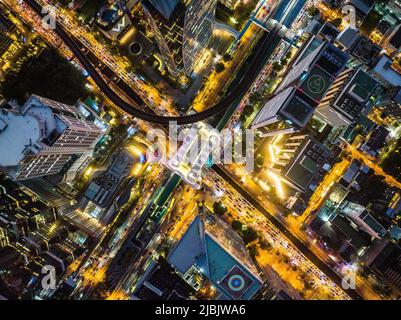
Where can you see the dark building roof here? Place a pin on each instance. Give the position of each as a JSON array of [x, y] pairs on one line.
[[395, 40], [164, 284], [165, 7], [366, 50]]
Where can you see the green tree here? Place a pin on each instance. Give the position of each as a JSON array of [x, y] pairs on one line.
[[255, 98], [265, 245], [244, 10], [48, 75], [220, 67], [219, 209], [313, 11], [253, 251], [247, 111], [237, 225]]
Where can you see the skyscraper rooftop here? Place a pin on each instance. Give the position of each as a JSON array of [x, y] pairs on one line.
[[165, 7], [31, 134], [214, 248]]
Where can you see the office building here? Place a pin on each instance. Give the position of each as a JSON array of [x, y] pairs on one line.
[[299, 161], [12, 40], [182, 29], [363, 52], [348, 97], [390, 104], [21, 211], [394, 41], [230, 4], [376, 141], [210, 251], [161, 282], [6, 28], [347, 38], [309, 78], [362, 7], [40, 137], [101, 190], [339, 233], [385, 259], [362, 218]]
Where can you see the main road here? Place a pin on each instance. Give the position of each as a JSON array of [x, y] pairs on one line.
[[286, 232]]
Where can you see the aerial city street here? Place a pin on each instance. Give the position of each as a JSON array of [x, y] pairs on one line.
[[219, 150]]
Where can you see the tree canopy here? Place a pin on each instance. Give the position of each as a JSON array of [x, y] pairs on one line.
[[48, 75], [337, 22], [219, 208], [237, 225], [220, 67]]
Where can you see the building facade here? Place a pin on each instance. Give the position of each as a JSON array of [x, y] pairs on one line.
[[299, 161], [348, 97], [303, 87], [182, 29]]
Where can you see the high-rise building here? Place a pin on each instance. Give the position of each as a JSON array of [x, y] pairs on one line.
[[182, 29], [211, 251], [302, 89], [363, 52], [390, 104], [102, 189], [348, 98], [161, 282], [385, 73], [39, 138], [362, 218], [385, 259], [299, 161], [362, 7]]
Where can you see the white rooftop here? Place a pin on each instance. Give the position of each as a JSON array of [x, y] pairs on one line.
[[384, 70], [17, 132]]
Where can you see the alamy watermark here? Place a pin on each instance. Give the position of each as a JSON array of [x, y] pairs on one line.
[[49, 19], [49, 279], [197, 144]]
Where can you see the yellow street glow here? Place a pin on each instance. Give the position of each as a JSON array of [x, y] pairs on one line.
[[135, 151], [137, 169], [88, 172], [278, 184], [264, 185]]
